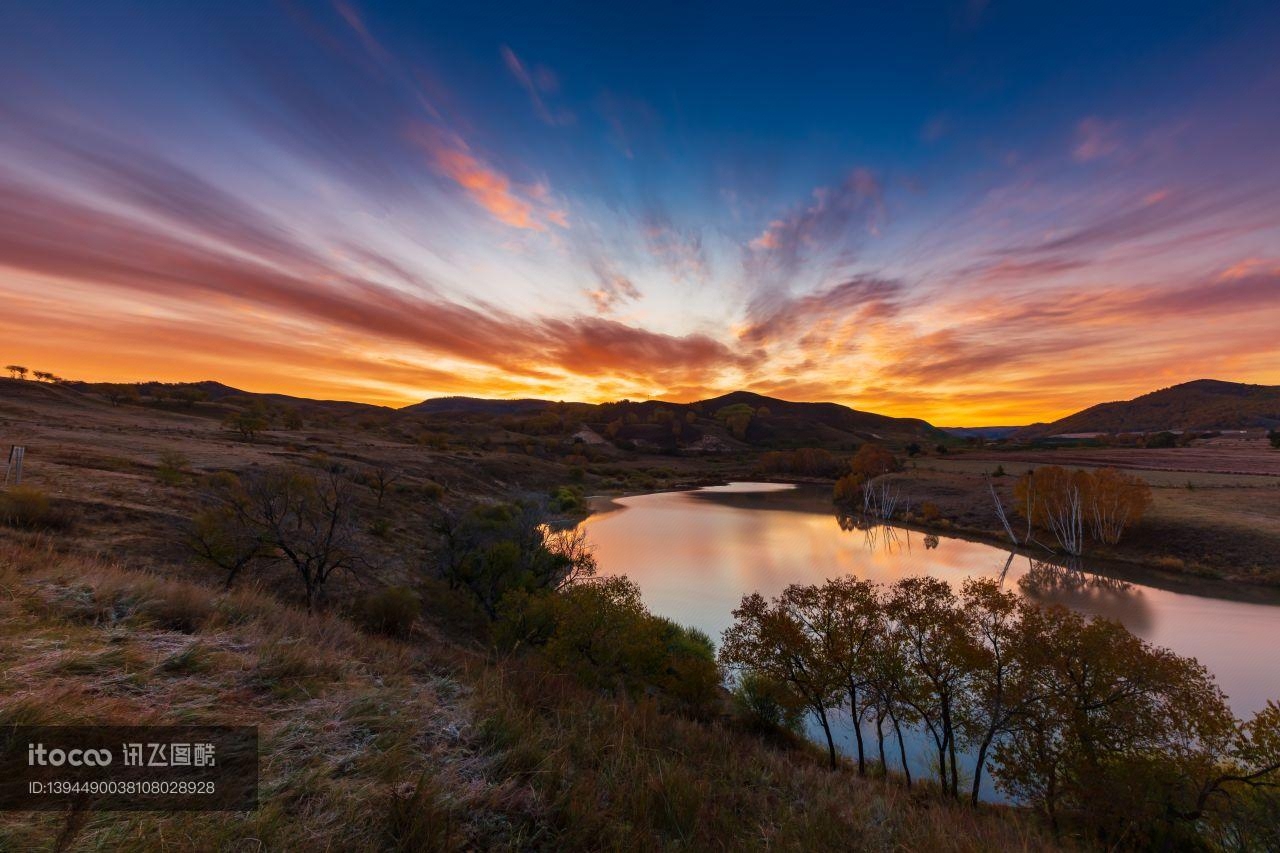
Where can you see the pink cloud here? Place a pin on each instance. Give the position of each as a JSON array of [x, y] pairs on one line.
[[1095, 139], [528, 207]]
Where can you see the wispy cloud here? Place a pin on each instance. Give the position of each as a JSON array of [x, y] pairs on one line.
[[832, 219], [679, 250], [529, 207], [612, 288], [540, 84], [1095, 139], [850, 303]]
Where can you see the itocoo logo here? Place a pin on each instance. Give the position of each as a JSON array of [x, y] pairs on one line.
[[37, 755]]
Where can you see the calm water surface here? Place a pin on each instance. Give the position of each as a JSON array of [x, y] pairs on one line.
[[696, 554]]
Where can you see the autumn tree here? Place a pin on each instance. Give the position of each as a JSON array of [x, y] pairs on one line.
[[770, 638], [736, 418], [217, 534], [379, 479], [888, 691], [873, 460], [1114, 501], [999, 691], [870, 462], [1070, 504], [850, 617], [1125, 737], [929, 626], [247, 423]]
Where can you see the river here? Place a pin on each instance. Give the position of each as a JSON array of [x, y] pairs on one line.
[[695, 554]]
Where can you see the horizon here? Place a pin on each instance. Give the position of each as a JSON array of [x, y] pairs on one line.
[[974, 215], [563, 401]]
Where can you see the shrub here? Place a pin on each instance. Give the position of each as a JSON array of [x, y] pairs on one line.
[[691, 678], [177, 606], [604, 636], [569, 499], [524, 618], [25, 506], [805, 460], [765, 704], [390, 611], [848, 487], [872, 460], [172, 467], [929, 511], [1274, 438]]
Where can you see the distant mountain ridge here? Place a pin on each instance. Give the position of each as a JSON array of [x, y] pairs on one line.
[[786, 423], [1203, 404], [990, 433], [476, 405], [831, 415]]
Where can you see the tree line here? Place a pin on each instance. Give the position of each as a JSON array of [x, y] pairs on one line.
[[1076, 717]]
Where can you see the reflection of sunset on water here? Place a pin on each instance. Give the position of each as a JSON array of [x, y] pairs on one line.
[[695, 554]]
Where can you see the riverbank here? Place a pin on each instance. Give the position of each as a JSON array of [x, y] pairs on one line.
[[959, 520], [1207, 526]]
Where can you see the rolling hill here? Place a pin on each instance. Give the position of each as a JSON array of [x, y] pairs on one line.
[[475, 406], [826, 420], [1204, 404]]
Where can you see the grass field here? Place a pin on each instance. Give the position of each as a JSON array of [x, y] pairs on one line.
[[1209, 523]]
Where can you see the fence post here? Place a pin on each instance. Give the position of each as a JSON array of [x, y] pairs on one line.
[[14, 469]]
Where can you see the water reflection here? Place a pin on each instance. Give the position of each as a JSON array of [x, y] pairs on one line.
[[695, 554]]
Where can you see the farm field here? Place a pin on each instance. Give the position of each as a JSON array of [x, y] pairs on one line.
[[1203, 519]]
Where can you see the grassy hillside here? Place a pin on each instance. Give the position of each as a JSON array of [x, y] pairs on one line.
[[419, 743], [1205, 404]]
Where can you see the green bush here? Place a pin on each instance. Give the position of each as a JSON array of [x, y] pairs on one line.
[[569, 499], [172, 467], [765, 704], [691, 677], [524, 618], [390, 611], [601, 633]]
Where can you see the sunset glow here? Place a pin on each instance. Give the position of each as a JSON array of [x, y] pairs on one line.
[[996, 215]]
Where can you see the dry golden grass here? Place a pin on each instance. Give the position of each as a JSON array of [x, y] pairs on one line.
[[354, 728], [613, 775], [370, 743]]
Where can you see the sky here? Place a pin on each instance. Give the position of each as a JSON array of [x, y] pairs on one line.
[[969, 212]]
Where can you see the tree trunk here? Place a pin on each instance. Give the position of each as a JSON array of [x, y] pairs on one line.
[[884, 767], [857, 728], [982, 760], [902, 749], [826, 728]]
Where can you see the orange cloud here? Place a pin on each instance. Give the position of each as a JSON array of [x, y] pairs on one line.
[[529, 209]]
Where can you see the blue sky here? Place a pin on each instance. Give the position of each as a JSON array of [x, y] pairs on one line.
[[962, 211]]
